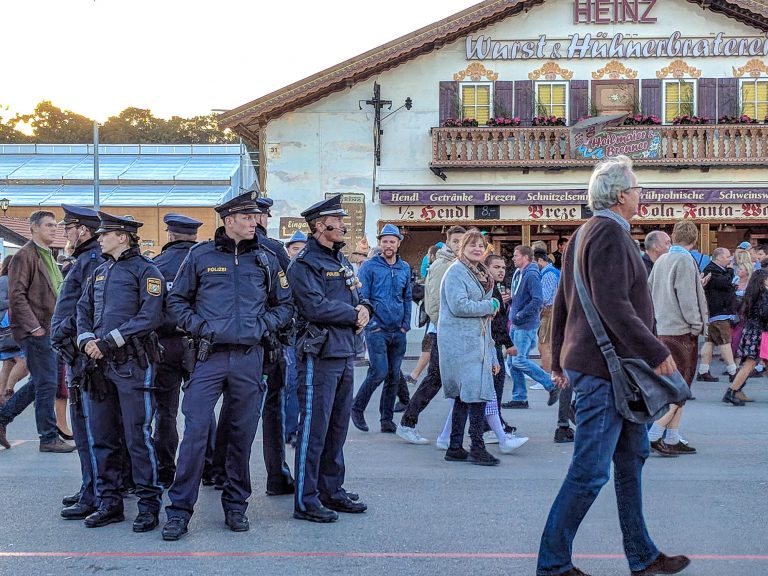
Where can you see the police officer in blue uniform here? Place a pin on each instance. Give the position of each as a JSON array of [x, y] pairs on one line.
[[182, 235], [293, 246], [325, 292], [229, 293], [80, 225], [117, 314]]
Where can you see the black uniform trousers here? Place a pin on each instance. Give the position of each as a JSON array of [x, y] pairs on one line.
[[237, 374], [80, 434], [128, 402], [170, 374], [325, 402]]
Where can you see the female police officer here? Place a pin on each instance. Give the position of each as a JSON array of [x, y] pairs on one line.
[[119, 310]]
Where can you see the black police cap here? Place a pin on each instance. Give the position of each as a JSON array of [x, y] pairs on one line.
[[79, 216], [110, 223], [328, 207], [181, 224], [242, 204]]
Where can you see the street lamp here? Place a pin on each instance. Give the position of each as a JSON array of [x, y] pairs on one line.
[[4, 205]]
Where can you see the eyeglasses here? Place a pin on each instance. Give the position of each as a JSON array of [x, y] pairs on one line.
[[633, 188]]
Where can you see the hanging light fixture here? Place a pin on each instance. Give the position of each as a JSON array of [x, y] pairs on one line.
[[729, 228], [637, 229], [546, 229]]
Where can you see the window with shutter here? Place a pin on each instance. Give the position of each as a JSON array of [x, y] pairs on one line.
[[754, 98], [476, 101], [552, 99], [679, 99]]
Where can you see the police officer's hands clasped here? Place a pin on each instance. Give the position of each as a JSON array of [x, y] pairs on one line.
[[93, 351], [363, 317]]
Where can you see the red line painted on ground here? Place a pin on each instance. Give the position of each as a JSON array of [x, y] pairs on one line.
[[372, 555]]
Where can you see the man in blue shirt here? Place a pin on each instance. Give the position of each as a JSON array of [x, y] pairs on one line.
[[386, 284], [524, 315]]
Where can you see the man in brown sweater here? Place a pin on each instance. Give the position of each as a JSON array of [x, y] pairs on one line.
[[33, 285], [616, 281]]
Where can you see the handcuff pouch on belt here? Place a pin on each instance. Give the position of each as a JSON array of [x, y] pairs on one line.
[[313, 340]]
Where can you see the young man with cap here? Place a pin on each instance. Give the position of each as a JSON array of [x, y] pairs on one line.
[[80, 225], [386, 284], [120, 308], [326, 293], [182, 235], [34, 282], [295, 244], [228, 294]]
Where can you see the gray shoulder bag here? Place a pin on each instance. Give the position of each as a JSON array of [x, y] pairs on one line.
[[639, 393]]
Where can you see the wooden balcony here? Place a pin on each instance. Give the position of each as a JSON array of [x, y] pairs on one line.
[[550, 147]]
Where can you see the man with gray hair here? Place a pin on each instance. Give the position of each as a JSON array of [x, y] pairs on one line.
[[657, 242], [602, 435]]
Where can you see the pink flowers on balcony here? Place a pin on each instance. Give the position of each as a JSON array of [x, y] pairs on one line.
[[642, 120], [548, 121], [689, 120], [503, 121], [460, 123], [743, 119]]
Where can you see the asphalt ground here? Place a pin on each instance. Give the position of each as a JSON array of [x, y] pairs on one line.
[[426, 516]]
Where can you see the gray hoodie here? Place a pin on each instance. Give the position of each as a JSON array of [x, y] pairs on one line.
[[437, 270]]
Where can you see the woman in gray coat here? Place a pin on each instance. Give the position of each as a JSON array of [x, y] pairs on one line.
[[467, 354]]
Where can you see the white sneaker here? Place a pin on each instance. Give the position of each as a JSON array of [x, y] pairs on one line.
[[536, 386], [512, 444], [490, 438], [441, 444], [410, 435]]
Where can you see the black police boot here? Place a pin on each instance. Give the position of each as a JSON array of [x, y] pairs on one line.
[[282, 489], [237, 521], [104, 516], [145, 522], [77, 511], [388, 427], [344, 505], [69, 500], [175, 528], [319, 514]]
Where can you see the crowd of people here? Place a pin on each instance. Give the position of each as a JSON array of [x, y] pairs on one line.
[[276, 330]]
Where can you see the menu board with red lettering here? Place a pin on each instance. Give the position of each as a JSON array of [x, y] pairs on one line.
[[354, 204]]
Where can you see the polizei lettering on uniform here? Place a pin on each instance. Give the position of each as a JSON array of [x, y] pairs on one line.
[[616, 46]]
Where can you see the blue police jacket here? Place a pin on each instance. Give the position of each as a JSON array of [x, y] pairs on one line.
[[388, 289], [168, 262], [317, 276], [122, 299], [64, 321], [275, 246], [170, 259], [237, 292]]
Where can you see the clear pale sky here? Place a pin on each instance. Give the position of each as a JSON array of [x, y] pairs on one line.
[[96, 57]]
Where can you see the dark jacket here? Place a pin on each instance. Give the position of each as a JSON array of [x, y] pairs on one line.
[[720, 291], [615, 278], [525, 308], [317, 275], [123, 298], [168, 262], [3, 295], [237, 292], [30, 293], [388, 289], [648, 263], [499, 323], [64, 322], [275, 246]]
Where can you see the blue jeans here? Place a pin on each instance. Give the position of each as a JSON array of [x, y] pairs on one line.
[[521, 365], [385, 353], [602, 436], [40, 388]]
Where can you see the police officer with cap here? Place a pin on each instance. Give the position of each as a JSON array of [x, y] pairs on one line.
[[325, 292], [182, 235], [292, 247], [228, 293], [117, 314], [80, 225]]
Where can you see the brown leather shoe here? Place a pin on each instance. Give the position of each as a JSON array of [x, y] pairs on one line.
[[3, 438], [706, 377], [58, 446], [681, 448], [662, 448], [743, 397], [664, 565]]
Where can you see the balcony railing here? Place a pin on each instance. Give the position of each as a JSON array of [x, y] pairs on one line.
[[551, 147]]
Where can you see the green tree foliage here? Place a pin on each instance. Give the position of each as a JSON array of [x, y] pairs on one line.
[[51, 125]]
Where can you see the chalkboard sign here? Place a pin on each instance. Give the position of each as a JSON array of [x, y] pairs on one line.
[[487, 213]]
